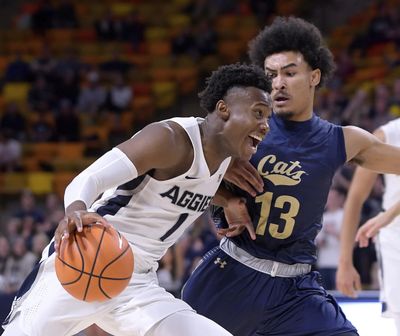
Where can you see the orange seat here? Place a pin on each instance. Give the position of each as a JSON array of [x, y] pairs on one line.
[[13, 183], [70, 150], [61, 180], [40, 183]]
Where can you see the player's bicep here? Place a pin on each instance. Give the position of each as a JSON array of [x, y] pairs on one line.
[[151, 148], [370, 152]]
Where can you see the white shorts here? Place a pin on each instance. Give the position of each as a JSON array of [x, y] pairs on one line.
[[389, 252], [47, 309]]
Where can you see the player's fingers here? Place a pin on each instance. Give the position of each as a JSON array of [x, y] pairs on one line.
[[244, 185], [357, 283], [77, 218], [372, 231], [252, 177], [61, 233], [232, 231], [250, 229], [93, 217]]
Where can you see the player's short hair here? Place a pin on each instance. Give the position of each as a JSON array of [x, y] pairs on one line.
[[293, 34], [230, 76]]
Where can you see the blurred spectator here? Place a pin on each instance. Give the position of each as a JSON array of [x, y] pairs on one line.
[[67, 88], [39, 241], [28, 207], [166, 273], [28, 229], [65, 15], [42, 126], [13, 228], [133, 31], [394, 105], [18, 70], [44, 64], [93, 96], [380, 27], [67, 122], [54, 208], [328, 238], [10, 152], [206, 39], [39, 93], [379, 112], [4, 255], [115, 65], [109, 27], [184, 43], [119, 97], [263, 9], [6, 291], [357, 110], [69, 62], [345, 65], [201, 238], [43, 17], [14, 121], [19, 265], [330, 105]]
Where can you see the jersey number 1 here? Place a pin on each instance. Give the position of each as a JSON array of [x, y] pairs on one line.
[[288, 216], [176, 226]]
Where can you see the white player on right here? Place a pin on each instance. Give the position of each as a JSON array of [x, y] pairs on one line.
[[386, 225]]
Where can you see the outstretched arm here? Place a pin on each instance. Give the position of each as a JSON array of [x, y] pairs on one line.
[[347, 277], [372, 226], [236, 213], [370, 151], [157, 146], [245, 176]]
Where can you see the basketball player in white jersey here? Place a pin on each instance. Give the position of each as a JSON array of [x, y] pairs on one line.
[[387, 223], [153, 187]]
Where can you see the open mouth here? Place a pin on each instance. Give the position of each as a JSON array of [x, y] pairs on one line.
[[255, 140]]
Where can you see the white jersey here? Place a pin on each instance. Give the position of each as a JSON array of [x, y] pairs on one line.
[[392, 181], [153, 214]]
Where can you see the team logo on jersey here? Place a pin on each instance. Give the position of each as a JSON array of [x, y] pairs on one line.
[[221, 263], [280, 172], [187, 199]]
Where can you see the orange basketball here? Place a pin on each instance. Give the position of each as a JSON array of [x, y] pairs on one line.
[[95, 264]]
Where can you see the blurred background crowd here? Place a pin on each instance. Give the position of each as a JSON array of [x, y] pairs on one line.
[[79, 77]]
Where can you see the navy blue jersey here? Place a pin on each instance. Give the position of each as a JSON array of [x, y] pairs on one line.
[[297, 161]]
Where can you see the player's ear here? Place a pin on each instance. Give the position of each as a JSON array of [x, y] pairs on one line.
[[315, 77], [222, 110]]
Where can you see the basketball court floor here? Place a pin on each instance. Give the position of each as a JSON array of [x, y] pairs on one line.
[[365, 314]]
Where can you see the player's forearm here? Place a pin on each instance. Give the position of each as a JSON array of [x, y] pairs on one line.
[[222, 196], [75, 206], [351, 219], [394, 211]]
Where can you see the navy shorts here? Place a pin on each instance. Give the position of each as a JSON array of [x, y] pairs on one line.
[[248, 302]]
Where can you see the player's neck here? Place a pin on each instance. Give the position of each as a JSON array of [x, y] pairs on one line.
[[210, 143]]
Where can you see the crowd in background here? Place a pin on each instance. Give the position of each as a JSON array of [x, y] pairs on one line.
[[66, 94]]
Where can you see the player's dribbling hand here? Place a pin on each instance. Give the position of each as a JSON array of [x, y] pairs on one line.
[[75, 220], [238, 219], [245, 176], [348, 280]]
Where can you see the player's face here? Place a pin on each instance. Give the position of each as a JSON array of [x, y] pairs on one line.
[[249, 111], [293, 85]]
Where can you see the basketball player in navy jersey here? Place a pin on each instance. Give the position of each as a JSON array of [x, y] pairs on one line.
[[153, 187], [260, 281]]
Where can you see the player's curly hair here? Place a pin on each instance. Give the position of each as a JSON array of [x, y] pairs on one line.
[[229, 76], [293, 34]]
